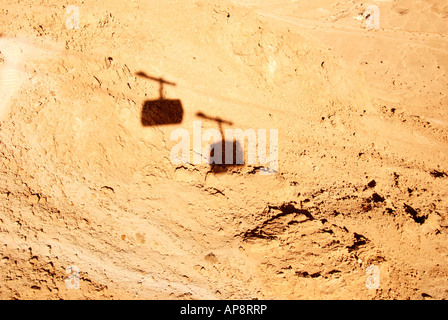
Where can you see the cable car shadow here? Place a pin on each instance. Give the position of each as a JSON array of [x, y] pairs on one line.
[[225, 155], [220, 162], [161, 111]]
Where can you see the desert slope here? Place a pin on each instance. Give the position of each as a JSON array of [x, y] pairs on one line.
[[362, 148]]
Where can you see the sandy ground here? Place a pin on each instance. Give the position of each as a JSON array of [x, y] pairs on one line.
[[86, 178]]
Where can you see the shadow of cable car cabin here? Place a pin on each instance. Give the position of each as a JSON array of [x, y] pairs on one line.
[[225, 155], [161, 111]]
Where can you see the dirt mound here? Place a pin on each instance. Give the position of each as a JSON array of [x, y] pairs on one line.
[[87, 177]]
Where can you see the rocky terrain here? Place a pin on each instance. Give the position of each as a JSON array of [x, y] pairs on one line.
[[87, 177]]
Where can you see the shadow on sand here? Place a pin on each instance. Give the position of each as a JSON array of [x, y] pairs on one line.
[[225, 154], [161, 111]]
